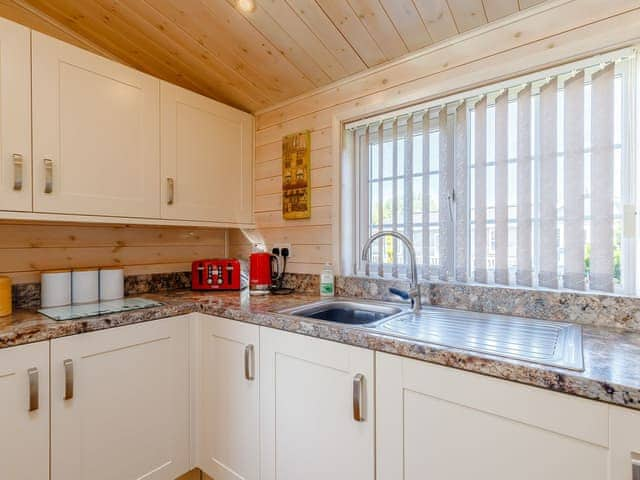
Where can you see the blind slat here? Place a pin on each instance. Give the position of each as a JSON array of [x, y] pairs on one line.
[[548, 273], [394, 197], [380, 196], [445, 203], [425, 195], [574, 183], [366, 222], [480, 217], [524, 274], [602, 124], [461, 194], [408, 181], [502, 188]]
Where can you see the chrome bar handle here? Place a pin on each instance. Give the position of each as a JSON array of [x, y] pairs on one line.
[[34, 389], [68, 379], [358, 397], [171, 185], [249, 363], [17, 171], [48, 177]]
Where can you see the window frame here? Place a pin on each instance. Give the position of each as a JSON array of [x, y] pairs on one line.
[[630, 132]]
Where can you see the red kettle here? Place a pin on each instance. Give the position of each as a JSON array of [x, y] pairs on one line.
[[263, 269]]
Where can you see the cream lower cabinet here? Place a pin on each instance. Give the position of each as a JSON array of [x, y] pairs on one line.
[[317, 410], [96, 146], [228, 399], [207, 158], [625, 444], [444, 424], [24, 412], [120, 403]]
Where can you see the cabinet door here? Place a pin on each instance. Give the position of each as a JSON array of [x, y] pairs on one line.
[[625, 444], [228, 447], [440, 423], [120, 403], [95, 134], [15, 117], [207, 156], [308, 399], [24, 412]]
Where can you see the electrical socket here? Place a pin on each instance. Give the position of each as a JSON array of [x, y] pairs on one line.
[[284, 245]]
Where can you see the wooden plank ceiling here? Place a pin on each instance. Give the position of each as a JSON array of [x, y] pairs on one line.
[[254, 60]]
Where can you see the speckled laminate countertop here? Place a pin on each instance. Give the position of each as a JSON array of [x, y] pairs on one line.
[[611, 357]]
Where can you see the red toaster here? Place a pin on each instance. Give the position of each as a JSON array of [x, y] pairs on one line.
[[216, 274]]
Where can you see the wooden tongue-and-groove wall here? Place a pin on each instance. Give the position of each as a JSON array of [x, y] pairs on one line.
[[26, 249]]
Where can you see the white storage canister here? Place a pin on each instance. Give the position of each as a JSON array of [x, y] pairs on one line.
[[85, 285], [111, 283], [55, 288]]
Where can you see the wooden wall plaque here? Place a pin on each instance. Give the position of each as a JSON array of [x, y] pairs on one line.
[[296, 176]]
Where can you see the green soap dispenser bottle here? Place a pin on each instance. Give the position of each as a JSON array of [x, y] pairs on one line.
[[327, 281]]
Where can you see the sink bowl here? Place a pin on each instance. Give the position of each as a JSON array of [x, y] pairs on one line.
[[347, 311], [556, 344]]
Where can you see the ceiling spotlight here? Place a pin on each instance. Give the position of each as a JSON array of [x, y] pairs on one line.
[[247, 6]]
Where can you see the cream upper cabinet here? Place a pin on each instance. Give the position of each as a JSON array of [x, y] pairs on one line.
[[317, 411], [207, 156], [95, 134], [440, 423], [15, 117], [24, 412], [228, 446], [120, 403]]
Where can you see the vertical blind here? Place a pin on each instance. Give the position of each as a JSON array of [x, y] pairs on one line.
[[519, 184]]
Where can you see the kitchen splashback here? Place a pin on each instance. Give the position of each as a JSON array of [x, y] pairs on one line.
[[27, 295], [604, 310], [613, 311]]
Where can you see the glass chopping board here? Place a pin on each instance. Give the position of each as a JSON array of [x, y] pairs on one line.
[[71, 312]]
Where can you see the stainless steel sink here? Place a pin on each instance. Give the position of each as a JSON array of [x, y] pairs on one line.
[[348, 311], [555, 344]]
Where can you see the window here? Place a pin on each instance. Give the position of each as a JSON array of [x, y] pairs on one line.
[[529, 182]]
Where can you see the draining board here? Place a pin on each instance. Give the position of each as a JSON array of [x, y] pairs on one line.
[[556, 344]]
